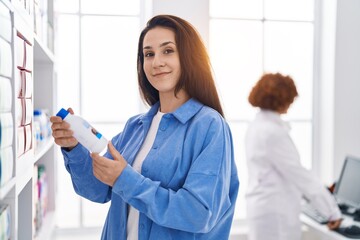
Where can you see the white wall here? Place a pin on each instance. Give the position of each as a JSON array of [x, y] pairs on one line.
[[324, 91], [339, 85], [194, 11], [347, 82], [337, 131]]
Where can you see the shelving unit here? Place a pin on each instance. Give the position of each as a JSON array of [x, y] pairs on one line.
[[33, 86]]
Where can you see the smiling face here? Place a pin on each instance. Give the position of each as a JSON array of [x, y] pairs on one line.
[[161, 60]]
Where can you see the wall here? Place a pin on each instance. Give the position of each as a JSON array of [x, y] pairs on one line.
[[347, 82], [337, 99], [337, 130], [324, 91], [196, 12]]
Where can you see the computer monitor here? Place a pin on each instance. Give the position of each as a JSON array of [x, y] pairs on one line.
[[347, 189]]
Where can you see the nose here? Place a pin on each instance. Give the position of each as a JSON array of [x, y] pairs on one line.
[[158, 61]]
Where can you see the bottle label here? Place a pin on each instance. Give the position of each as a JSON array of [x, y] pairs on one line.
[[97, 134], [93, 130]]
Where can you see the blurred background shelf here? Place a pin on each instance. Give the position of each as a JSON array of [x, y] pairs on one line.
[[43, 148], [6, 188], [30, 180]]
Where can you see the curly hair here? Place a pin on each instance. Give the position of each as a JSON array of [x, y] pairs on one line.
[[273, 92]]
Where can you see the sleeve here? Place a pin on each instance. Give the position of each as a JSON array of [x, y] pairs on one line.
[[204, 197], [286, 160], [79, 164]]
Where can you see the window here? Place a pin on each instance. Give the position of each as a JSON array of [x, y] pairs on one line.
[[248, 38], [96, 67]]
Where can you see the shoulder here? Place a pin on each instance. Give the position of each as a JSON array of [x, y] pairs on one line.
[[209, 116], [145, 116], [263, 129], [209, 123], [135, 119]]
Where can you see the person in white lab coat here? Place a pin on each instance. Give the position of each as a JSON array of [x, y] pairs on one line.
[[277, 180]]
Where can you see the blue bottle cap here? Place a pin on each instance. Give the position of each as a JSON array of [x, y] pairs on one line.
[[62, 113], [37, 112]]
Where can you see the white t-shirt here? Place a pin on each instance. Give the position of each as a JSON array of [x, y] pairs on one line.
[[133, 214]]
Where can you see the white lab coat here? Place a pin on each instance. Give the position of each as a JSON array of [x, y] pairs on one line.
[[277, 182]]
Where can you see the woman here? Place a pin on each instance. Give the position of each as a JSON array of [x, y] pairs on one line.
[[277, 181], [170, 174]]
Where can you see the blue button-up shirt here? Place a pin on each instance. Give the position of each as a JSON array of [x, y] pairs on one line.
[[188, 184]]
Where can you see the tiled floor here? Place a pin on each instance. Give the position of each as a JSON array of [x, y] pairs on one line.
[[77, 234]]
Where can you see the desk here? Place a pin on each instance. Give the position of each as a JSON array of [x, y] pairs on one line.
[[321, 230]]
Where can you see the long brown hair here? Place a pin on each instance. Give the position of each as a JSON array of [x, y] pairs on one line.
[[196, 76]]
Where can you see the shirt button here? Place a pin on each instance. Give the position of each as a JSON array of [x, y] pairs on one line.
[[155, 147], [145, 169], [142, 226]]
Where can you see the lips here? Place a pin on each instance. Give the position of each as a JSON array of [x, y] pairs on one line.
[[160, 74]]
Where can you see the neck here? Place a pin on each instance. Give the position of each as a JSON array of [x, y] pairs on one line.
[[170, 102]]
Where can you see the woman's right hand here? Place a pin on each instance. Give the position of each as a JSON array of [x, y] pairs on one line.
[[334, 224], [61, 132]]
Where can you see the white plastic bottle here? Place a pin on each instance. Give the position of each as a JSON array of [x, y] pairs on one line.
[[84, 132]]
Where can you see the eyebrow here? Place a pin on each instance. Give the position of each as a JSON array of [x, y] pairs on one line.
[[161, 45]]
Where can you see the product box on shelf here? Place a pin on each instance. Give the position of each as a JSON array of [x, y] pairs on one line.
[[27, 82], [5, 23], [5, 95], [5, 221], [5, 58]]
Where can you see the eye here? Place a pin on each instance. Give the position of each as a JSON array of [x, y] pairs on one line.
[[148, 54], [168, 51]]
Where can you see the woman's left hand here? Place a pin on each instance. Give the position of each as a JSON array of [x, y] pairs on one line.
[[107, 170]]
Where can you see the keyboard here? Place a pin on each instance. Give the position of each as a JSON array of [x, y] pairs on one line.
[[314, 214], [352, 231]]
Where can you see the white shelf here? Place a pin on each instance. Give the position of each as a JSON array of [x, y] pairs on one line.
[[41, 52], [23, 178], [24, 162], [8, 4], [47, 227], [43, 148], [19, 191], [6, 188]]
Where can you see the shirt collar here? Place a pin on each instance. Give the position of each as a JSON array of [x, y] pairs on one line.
[[275, 117], [187, 110], [182, 113]]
